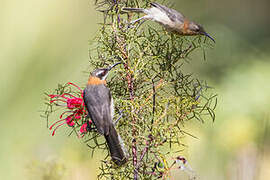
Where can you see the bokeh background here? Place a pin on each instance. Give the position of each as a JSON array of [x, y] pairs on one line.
[[43, 43]]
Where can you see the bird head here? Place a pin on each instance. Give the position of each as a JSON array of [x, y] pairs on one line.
[[103, 72], [196, 29]]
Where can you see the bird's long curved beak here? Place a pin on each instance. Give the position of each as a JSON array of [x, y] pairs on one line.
[[206, 34], [112, 66]]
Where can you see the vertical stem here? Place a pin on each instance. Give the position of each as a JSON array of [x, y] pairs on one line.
[[134, 147], [154, 104], [130, 82]]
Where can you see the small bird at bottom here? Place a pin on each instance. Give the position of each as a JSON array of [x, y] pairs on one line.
[[100, 107], [171, 19]]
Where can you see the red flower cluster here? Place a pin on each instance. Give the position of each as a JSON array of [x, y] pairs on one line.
[[84, 128], [74, 113]]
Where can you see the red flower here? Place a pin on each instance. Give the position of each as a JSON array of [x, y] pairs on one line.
[[68, 120], [73, 104], [85, 128]]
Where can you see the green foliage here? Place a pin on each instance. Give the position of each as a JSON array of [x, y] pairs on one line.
[[156, 97], [151, 90]]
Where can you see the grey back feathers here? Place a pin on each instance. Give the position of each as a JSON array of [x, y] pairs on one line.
[[163, 15], [174, 15], [98, 101]]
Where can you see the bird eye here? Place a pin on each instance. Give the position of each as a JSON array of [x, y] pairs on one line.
[[101, 73], [104, 72]]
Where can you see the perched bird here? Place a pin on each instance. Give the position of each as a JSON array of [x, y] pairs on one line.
[[171, 19], [100, 107]]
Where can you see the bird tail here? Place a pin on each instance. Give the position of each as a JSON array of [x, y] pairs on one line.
[[116, 147], [138, 10]]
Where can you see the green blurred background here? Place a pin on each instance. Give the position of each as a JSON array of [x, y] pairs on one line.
[[43, 43]]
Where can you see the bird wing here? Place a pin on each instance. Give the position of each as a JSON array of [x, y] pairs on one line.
[[171, 13], [97, 99]]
